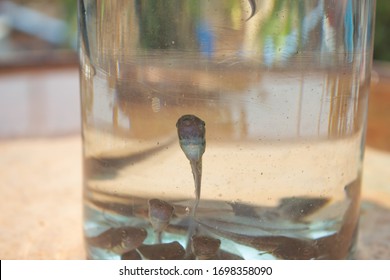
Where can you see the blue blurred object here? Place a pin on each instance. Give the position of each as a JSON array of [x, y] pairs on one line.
[[32, 22], [349, 28], [205, 39]]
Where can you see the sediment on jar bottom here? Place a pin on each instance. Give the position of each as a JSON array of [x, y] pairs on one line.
[[156, 229]]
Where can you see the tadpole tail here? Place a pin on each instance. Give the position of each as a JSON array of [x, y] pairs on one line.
[[196, 167], [253, 5], [158, 237]]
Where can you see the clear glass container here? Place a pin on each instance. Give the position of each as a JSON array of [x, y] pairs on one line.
[[223, 129]]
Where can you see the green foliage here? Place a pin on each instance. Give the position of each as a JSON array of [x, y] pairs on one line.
[[382, 32], [163, 21], [382, 25]]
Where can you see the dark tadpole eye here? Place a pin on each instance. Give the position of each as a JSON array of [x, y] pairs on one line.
[[202, 125]]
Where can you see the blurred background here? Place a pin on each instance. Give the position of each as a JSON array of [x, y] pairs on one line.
[[38, 52], [38, 68], [37, 33]]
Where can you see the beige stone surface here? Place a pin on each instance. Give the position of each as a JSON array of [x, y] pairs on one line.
[[40, 199]]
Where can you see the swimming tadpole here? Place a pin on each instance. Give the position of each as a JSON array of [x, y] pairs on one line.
[[191, 131]]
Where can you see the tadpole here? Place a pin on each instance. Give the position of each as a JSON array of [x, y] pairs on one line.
[[191, 131], [119, 240], [160, 214]]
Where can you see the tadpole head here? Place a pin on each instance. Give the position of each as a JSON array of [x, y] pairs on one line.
[[205, 247], [190, 127], [129, 238], [160, 213], [191, 131]]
